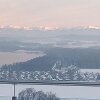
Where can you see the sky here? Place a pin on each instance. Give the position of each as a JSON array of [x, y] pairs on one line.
[[50, 13]]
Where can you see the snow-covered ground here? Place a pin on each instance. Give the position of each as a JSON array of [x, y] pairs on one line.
[[5, 98], [61, 91], [90, 70]]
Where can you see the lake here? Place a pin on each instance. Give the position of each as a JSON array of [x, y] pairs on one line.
[[18, 56]]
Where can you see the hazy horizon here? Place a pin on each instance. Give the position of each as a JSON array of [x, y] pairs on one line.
[[50, 13]]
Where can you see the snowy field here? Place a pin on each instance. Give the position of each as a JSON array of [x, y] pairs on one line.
[[61, 91], [90, 70], [5, 98]]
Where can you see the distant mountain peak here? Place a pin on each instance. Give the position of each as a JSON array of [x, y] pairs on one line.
[[93, 27], [43, 28]]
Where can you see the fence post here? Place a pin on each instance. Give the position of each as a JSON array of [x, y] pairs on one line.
[[14, 97]]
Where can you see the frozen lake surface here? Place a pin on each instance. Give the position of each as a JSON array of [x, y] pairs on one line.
[[18, 56]]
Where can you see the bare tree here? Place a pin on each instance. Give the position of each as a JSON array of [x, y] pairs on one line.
[[31, 94]]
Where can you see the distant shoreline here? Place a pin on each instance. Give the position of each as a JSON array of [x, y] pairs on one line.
[[18, 56]]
